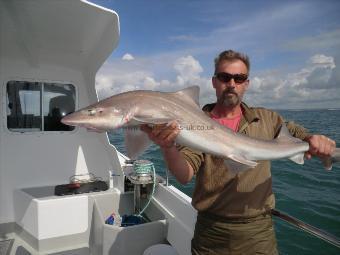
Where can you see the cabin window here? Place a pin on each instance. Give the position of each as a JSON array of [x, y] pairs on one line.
[[37, 106]]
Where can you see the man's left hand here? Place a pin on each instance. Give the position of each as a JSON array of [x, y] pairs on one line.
[[320, 146]]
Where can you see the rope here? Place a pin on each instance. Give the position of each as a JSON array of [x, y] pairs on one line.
[[143, 167]]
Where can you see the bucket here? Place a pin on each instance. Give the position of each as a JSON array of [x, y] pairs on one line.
[[160, 249]]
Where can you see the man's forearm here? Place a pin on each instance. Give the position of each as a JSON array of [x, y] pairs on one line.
[[177, 164]]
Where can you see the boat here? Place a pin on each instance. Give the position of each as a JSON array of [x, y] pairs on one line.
[[59, 185], [64, 190]]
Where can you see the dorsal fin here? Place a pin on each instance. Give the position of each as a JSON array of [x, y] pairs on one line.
[[285, 136], [191, 94]]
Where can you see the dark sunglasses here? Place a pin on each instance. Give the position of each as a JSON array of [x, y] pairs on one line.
[[226, 77]]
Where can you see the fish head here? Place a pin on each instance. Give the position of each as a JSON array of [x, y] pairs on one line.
[[97, 117]]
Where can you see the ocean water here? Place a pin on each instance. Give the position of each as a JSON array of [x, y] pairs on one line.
[[306, 192]]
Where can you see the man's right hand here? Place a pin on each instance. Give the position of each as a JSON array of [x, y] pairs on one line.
[[163, 135]]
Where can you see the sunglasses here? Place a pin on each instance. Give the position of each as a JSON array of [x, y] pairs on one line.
[[226, 77]]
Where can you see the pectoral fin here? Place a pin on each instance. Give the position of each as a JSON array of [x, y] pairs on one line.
[[136, 142]]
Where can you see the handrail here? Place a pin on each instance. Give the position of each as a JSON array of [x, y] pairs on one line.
[[308, 228]]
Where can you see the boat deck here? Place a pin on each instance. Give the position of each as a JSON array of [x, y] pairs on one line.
[[15, 245]]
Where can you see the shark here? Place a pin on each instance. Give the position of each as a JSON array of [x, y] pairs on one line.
[[198, 131]]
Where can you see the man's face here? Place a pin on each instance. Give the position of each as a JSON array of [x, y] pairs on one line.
[[230, 93]]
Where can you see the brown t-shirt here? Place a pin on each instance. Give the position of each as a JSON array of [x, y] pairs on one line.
[[247, 194]]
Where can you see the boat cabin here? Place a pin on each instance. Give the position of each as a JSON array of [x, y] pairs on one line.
[[50, 52]]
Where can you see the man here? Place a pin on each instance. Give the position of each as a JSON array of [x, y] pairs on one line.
[[234, 211]]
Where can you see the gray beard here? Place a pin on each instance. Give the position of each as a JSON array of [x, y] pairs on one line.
[[229, 100]]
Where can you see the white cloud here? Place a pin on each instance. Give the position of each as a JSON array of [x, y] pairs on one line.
[[119, 76], [314, 85], [311, 87], [188, 69], [149, 83], [128, 57], [322, 61]]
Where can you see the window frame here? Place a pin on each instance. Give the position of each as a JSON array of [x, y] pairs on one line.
[[42, 82]]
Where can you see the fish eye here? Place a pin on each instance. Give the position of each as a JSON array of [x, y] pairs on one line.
[[91, 112]]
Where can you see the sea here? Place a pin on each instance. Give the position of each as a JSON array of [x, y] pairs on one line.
[[307, 192]]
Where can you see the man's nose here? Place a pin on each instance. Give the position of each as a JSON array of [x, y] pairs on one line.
[[231, 83]]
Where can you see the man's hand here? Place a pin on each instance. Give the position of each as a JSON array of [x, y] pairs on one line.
[[163, 135], [320, 146]]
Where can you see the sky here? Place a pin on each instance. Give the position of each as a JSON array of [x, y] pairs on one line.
[[167, 45]]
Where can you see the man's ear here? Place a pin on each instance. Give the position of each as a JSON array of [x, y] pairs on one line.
[[213, 81], [246, 84]]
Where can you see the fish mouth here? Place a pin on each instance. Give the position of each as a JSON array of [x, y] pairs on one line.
[[71, 121], [67, 120], [82, 125]]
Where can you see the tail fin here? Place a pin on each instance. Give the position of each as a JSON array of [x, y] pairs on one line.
[[335, 158], [327, 163], [336, 155]]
